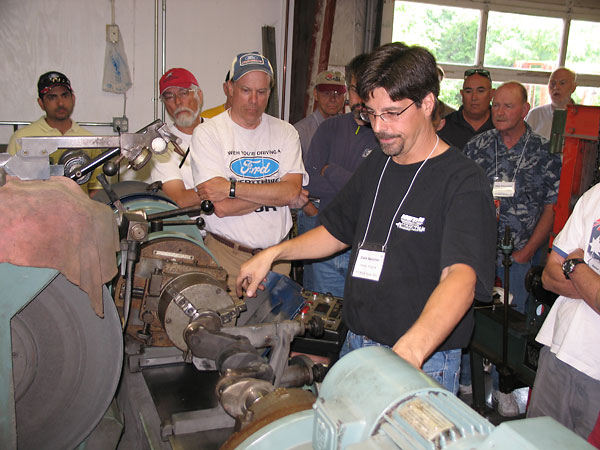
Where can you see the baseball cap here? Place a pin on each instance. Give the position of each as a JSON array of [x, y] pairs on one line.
[[330, 80], [250, 62], [50, 79], [177, 77]]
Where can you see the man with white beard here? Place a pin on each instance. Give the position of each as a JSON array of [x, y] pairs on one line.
[[182, 98]]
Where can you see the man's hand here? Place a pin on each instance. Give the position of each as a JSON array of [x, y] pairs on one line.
[[215, 189], [522, 255], [310, 209], [253, 273], [300, 201], [408, 354], [314, 244], [538, 237]]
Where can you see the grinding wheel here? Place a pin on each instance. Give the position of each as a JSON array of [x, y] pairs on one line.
[[67, 362]]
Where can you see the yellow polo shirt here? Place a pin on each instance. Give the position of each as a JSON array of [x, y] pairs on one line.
[[41, 128], [212, 112]]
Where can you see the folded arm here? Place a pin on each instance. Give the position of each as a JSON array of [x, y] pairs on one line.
[[583, 282], [280, 193], [249, 196]]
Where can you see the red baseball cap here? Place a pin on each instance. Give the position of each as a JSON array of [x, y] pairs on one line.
[[177, 77]]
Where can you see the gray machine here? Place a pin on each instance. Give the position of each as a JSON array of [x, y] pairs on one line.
[[371, 399], [61, 363], [171, 299]]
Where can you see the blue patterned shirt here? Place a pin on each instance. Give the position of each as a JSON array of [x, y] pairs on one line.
[[536, 174]]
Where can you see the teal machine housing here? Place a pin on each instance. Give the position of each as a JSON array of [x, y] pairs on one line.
[[371, 399], [52, 348]]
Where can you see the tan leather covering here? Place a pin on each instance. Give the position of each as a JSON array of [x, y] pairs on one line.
[[54, 224]]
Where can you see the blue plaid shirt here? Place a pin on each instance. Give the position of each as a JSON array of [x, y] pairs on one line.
[[536, 176]]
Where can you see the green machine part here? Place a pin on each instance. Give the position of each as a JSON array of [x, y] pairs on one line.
[[372, 399], [61, 363]]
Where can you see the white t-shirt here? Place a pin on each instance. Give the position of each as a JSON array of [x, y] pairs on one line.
[[165, 167], [540, 120], [221, 148], [572, 328]]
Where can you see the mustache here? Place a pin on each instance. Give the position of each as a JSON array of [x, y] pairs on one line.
[[384, 135], [183, 109]]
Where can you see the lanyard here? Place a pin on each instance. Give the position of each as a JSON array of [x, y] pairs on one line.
[[384, 247], [520, 158]]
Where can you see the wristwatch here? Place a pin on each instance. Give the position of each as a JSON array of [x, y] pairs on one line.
[[569, 266], [232, 189]]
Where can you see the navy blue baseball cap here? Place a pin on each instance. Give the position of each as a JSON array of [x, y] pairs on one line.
[[250, 62]]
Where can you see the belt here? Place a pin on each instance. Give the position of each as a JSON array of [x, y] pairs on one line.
[[235, 245]]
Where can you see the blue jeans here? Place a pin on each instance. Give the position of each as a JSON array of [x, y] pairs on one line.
[[443, 366], [306, 223], [327, 275], [465, 368], [517, 284]]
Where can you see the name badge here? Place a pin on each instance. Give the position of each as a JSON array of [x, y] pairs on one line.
[[368, 264], [503, 189]]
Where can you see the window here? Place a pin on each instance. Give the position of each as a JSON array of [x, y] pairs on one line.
[[517, 40], [513, 46], [449, 33], [584, 55]]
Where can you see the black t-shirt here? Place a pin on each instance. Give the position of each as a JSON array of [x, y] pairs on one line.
[[458, 131], [447, 218]]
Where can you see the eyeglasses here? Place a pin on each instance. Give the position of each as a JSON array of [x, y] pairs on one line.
[[482, 72], [182, 94], [390, 116]]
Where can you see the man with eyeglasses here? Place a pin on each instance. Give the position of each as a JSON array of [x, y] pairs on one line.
[[474, 116], [561, 85], [338, 147], [57, 99], [182, 97], [249, 164], [330, 95], [419, 218]]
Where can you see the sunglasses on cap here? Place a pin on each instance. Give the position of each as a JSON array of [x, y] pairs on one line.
[[482, 72], [50, 79]]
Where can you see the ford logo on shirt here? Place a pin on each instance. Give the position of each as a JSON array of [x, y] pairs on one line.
[[254, 167]]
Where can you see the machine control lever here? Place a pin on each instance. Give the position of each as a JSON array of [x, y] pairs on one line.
[[112, 195], [206, 207]]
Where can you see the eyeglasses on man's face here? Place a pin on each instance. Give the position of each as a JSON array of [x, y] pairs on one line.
[[389, 116], [181, 94], [482, 72]]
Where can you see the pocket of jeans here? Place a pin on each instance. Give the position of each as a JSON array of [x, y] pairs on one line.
[[438, 376]]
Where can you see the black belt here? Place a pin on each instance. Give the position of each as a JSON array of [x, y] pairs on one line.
[[235, 245]]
